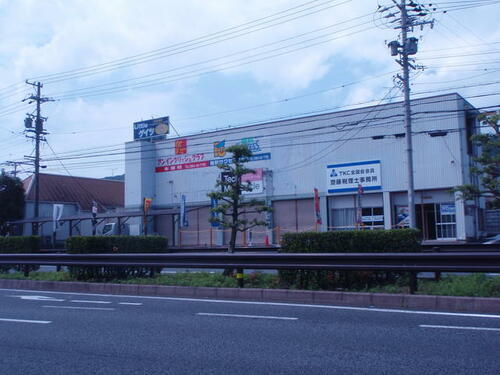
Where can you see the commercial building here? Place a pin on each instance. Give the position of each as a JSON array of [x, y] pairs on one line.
[[356, 159]]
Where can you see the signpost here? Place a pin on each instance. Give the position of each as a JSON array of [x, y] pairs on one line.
[[151, 129]]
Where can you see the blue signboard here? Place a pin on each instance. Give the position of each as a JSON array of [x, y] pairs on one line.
[[257, 157], [151, 129], [355, 177]]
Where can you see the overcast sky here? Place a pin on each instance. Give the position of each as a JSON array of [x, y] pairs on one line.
[[216, 63]]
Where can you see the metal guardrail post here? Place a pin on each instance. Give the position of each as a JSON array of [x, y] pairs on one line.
[[413, 282], [239, 277]]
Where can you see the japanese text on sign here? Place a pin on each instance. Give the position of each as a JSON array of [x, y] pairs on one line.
[[348, 176]]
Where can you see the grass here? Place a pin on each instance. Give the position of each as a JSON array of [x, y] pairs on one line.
[[474, 285]]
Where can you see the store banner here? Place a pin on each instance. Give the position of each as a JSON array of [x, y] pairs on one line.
[[146, 205], [214, 203], [184, 218], [57, 211], [354, 177], [317, 212]]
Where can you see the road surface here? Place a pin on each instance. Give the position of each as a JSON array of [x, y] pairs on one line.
[[64, 333]]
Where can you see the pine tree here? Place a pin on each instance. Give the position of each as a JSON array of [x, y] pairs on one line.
[[231, 204]]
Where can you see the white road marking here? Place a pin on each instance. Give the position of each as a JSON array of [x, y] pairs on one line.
[[348, 308], [83, 301], [80, 308], [40, 298], [458, 327], [130, 303], [25, 321], [249, 316]]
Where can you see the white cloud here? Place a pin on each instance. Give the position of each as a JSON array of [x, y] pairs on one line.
[[48, 37]]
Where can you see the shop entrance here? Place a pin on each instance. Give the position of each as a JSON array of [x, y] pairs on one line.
[[436, 221]]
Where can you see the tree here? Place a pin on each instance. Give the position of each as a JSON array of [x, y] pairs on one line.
[[231, 204], [11, 200], [487, 165]]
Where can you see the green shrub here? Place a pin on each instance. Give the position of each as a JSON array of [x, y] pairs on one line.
[[377, 241], [373, 241], [114, 245], [19, 245]]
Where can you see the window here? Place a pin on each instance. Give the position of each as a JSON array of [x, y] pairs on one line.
[[343, 219], [372, 217]]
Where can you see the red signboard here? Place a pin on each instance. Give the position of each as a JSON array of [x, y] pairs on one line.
[[180, 146], [178, 167]]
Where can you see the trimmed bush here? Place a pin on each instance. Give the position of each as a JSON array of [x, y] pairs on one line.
[[19, 245], [114, 245], [377, 241], [373, 241]]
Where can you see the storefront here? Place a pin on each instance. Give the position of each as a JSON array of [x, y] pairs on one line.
[[354, 160]]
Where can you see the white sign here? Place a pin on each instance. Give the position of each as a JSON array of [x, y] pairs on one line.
[[256, 181], [348, 176], [447, 209]]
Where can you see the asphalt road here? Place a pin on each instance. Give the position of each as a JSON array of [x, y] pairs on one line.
[[63, 333]]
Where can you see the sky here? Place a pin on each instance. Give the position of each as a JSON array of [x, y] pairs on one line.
[[219, 63]]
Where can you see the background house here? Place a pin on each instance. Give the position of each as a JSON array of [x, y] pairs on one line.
[[77, 195]]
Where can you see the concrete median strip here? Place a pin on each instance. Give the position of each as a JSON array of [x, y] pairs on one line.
[[369, 300]]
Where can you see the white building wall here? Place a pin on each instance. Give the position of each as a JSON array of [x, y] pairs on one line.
[[300, 149]]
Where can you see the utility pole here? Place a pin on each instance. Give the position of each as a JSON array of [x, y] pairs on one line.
[[15, 165], [405, 17], [39, 132]]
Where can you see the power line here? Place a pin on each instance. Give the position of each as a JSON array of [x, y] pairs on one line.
[[164, 52]]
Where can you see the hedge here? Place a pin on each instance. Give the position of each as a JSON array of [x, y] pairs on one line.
[[367, 241], [376, 241], [18, 245], [114, 244]]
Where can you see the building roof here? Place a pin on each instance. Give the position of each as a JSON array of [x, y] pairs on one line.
[[79, 190]]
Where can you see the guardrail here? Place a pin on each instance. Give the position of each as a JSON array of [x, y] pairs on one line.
[[401, 262], [433, 262], [461, 247], [443, 248]]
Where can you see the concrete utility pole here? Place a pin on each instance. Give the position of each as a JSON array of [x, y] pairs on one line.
[[39, 133], [409, 16]]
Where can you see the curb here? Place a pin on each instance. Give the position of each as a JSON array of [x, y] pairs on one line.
[[381, 300]]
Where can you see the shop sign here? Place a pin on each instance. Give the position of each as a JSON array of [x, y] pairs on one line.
[[350, 176], [150, 129], [447, 209], [181, 146], [257, 157], [371, 218], [220, 149], [182, 162], [256, 180], [251, 143], [175, 163]]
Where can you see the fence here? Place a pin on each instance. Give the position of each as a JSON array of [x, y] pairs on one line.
[[402, 262]]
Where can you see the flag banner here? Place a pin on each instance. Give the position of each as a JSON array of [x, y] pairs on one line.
[[184, 218], [57, 212], [316, 206]]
